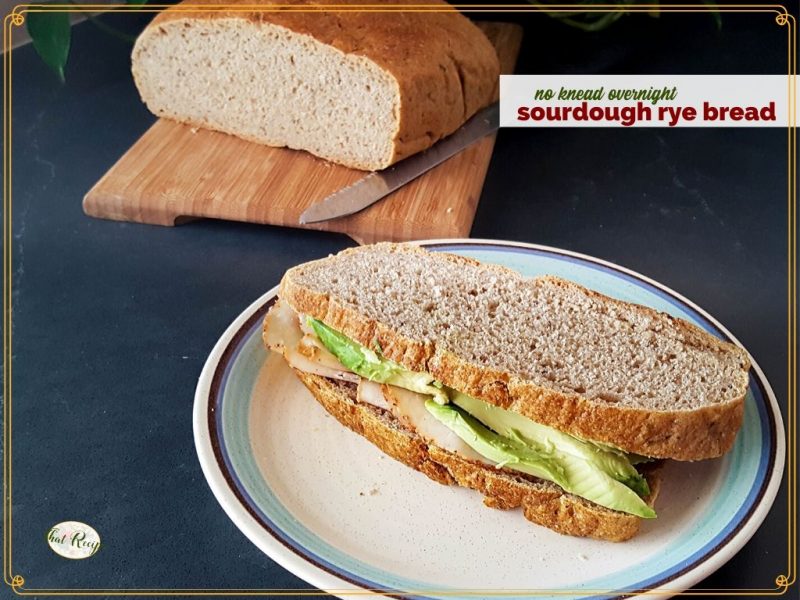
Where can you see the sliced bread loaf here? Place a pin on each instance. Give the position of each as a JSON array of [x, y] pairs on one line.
[[542, 502], [546, 348], [360, 88]]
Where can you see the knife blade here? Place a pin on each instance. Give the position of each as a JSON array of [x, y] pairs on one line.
[[371, 188]]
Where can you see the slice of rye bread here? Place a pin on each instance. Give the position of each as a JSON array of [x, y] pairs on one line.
[[546, 348], [542, 502]]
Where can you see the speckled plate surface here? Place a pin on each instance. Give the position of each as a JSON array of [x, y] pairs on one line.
[[334, 510]]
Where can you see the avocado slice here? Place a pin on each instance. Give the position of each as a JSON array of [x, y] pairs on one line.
[[633, 458], [371, 365], [612, 462], [542, 458]]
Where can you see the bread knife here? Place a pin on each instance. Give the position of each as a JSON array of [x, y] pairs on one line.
[[371, 188]]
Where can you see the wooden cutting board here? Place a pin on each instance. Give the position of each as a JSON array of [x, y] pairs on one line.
[[175, 172]]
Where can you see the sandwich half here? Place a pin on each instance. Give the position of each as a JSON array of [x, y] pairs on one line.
[[538, 393]]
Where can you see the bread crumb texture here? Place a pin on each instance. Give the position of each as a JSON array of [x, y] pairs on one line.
[[548, 348], [363, 89]]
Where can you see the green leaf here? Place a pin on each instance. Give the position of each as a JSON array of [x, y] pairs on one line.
[[714, 13], [595, 24], [50, 32], [598, 21]]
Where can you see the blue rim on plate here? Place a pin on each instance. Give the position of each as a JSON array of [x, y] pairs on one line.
[[760, 404]]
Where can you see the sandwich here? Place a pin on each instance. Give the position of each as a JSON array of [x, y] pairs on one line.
[[538, 393]]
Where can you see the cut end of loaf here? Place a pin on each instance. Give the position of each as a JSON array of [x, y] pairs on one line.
[[270, 85]]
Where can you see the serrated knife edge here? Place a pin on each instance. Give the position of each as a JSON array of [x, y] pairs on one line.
[[372, 187], [329, 208]]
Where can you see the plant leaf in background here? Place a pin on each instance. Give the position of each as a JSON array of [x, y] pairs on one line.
[[597, 21], [50, 33], [714, 13]]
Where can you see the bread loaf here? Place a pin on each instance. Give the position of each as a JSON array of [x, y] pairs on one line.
[[546, 348], [364, 89]]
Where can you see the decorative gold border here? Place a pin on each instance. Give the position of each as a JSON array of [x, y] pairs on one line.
[[782, 17]]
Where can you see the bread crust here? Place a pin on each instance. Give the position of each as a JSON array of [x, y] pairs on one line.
[[706, 432], [446, 69], [542, 502]]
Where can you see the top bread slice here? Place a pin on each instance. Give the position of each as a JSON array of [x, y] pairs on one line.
[[549, 349], [360, 88]]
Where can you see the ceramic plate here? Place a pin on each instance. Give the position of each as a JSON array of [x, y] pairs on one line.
[[334, 510]]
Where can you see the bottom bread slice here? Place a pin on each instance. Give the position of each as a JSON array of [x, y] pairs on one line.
[[542, 502]]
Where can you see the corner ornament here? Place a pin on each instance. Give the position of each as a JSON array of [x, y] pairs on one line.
[[17, 581], [782, 18], [782, 581], [17, 19]]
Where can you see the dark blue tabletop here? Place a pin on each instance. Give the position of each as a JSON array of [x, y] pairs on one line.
[[112, 321]]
